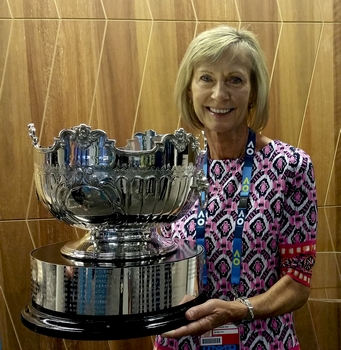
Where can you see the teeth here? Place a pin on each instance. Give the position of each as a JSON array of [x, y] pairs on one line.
[[215, 110]]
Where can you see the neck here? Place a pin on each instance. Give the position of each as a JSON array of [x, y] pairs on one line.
[[227, 145]]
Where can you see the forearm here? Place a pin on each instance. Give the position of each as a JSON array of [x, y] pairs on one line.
[[284, 296]]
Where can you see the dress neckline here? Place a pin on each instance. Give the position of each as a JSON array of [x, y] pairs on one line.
[[242, 158]]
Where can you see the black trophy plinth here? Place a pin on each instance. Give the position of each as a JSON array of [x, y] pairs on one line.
[[120, 327]]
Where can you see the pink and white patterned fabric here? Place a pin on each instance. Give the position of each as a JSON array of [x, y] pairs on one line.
[[279, 237]]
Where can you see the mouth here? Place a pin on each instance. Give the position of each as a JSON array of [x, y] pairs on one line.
[[219, 111]]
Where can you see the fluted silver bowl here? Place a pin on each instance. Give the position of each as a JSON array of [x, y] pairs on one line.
[[120, 195]]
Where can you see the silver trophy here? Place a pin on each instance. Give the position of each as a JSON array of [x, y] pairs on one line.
[[123, 279]]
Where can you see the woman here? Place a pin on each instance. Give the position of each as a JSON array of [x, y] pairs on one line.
[[261, 218]]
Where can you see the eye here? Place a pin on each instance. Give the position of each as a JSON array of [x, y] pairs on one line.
[[206, 78], [235, 80]]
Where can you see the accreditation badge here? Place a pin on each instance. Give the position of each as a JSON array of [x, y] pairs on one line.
[[225, 337]]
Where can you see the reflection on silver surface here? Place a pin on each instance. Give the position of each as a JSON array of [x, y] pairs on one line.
[[61, 285], [121, 271], [118, 194]]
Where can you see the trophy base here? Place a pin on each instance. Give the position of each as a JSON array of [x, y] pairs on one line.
[[105, 327], [112, 300]]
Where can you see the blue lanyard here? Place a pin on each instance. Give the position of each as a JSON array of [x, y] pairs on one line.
[[200, 225], [242, 211]]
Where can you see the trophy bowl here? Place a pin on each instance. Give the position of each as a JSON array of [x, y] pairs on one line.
[[122, 279]]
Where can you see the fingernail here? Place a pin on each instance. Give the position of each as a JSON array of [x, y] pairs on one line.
[[190, 314], [167, 335]]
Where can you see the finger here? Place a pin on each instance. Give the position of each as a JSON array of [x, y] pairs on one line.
[[175, 333], [194, 328], [210, 307], [199, 311]]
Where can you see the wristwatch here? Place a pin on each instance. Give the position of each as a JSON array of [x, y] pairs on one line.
[[250, 315]]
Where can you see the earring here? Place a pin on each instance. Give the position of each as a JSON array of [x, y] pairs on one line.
[[250, 105]]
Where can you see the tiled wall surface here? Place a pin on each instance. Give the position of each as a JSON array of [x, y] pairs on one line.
[[112, 64]]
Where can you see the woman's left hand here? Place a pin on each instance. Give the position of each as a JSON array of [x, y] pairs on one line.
[[286, 295], [207, 316]]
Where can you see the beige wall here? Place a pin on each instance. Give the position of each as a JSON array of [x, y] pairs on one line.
[[112, 64]]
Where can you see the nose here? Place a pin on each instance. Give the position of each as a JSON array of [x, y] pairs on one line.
[[220, 91]]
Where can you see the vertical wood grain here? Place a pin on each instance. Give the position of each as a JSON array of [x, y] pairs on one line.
[[157, 109], [291, 80], [4, 9], [127, 9], [258, 11], [113, 64], [216, 10], [5, 30], [300, 11], [180, 10], [74, 77], [80, 9], [315, 128], [120, 79], [33, 8], [24, 91], [9, 341]]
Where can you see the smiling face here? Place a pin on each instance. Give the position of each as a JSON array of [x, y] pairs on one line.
[[221, 94]]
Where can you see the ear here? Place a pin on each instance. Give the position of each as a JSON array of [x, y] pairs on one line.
[[189, 93]]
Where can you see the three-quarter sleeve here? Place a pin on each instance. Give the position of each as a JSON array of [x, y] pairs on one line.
[[297, 241]]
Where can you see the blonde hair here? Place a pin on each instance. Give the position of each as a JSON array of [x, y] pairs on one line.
[[209, 46]]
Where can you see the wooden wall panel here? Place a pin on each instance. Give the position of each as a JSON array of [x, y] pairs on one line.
[[172, 10], [300, 11], [33, 8], [334, 186], [80, 9], [326, 261], [336, 11], [127, 9], [24, 91], [269, 37], [120, 81], [89, 345], [304, 325], [44, 232], [314, 128], [327, 229], [10, 341], [5, 30], [168, 43], [74, 77], [334, 221], [327, 10], [326, 313], [4, 9], [291, 80], [16, 244], [113, 64], [259, 10], [216, 10], [334, 195]]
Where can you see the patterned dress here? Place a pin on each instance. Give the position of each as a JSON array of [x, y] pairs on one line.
[[279, 237]]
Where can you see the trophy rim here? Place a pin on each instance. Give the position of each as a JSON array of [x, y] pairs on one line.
[[95, 134]]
